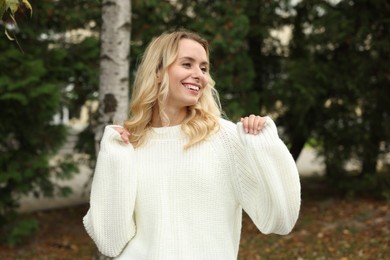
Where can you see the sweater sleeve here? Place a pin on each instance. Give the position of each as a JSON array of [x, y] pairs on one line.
[[266, 179], [109, 220]]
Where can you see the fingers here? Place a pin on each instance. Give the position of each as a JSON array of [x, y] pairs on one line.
[[253, 124], [123, 133]]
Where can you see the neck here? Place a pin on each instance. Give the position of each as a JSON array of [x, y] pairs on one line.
[[174, 117]]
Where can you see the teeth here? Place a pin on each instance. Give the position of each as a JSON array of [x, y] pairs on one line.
[[192, 87]]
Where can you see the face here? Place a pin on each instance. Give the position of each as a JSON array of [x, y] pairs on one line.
[[188, 75]]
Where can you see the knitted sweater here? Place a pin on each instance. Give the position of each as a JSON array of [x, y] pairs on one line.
[[160, 201]]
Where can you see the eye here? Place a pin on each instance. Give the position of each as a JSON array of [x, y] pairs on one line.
[[187, 65], [204, 70]]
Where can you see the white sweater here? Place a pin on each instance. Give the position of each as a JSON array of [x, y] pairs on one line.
[[160, 201]]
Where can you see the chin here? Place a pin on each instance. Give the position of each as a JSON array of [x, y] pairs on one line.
[[193, 103]]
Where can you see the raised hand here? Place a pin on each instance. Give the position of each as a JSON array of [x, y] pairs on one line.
[[253, 124], [123, 133]]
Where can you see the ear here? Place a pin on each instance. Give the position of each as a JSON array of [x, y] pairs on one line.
[[159, 76]]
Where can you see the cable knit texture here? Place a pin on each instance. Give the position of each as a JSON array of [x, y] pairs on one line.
[[160, 201]]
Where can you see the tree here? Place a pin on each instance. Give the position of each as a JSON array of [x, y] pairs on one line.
[[114, 64], [335, 83], [33, 87], [114, 67], [244, 55], [29, 99]]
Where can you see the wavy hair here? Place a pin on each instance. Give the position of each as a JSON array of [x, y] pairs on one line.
[[202, 118]]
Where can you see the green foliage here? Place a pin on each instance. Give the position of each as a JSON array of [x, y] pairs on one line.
[[17, 231], [86, 143], [30, 140], [236, 31], [330, 84], [335, 87], [370, 186], [10, 7], [54, 71]]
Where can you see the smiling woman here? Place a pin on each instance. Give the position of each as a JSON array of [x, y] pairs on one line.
[[187, 79], [172, 183], [173, 86]]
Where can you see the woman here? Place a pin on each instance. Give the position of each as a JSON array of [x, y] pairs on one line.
[[173, 182]]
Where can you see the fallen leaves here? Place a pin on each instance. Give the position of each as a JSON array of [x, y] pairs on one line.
[[61, 236], [328, 228]]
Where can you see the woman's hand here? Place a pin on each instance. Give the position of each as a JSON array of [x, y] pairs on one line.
[[253, 124], [123, 133]]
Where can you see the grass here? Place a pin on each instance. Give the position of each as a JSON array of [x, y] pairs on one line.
[[329, 227]]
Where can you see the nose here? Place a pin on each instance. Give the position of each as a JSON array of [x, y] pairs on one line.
[[198, 74]]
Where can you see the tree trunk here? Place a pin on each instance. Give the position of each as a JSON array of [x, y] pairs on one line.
[[114, 64], [114, 69], [372, 144]]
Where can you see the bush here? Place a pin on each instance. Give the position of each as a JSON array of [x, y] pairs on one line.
[[28, 102], [16, 232]]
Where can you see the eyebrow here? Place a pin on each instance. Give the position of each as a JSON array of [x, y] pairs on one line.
[[192, 59]]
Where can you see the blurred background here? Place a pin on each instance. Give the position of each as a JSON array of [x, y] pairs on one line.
[[320, 69]]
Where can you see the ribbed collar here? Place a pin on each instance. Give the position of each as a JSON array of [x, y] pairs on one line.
[[167, 132]]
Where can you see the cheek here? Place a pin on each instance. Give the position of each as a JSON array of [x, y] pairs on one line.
[[205, 81]]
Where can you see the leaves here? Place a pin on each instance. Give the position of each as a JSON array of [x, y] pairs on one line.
[[328, 228], [13, 6], [334, 86], [3, 7], [28, 6], [15, 97]]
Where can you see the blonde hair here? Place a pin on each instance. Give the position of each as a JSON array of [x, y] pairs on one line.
[[202, 119]]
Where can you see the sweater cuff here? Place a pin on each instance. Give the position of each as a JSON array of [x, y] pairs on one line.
[[267, 136], [111, 136]]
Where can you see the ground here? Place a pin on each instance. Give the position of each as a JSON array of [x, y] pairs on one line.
[[329, 227]]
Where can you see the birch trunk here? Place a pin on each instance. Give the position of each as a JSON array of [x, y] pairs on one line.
[[114, 64], [114, 69]]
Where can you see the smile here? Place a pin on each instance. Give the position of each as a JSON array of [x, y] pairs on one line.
[[191, 87]]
